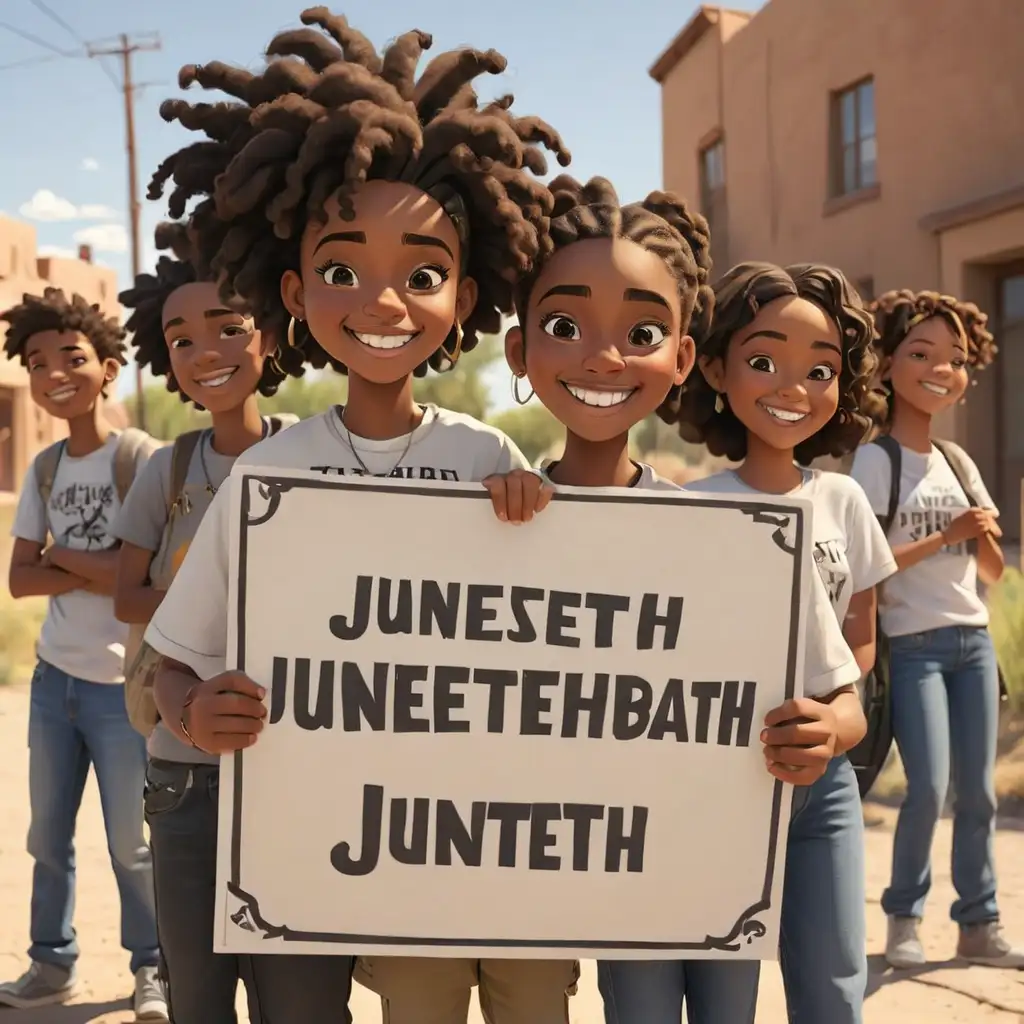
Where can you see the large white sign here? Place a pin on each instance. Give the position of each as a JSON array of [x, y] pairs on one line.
[[539, 741]]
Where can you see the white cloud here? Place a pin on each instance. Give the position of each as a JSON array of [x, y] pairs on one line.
[[57, 251], [103, 237], [48, 206], [89, 164]]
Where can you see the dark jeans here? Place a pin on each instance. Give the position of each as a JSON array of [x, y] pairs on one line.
[[181, 809]]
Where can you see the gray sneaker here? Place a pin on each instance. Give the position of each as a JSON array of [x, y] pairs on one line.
[[150, 999], [40, 985], [986, 945], [903, 948]]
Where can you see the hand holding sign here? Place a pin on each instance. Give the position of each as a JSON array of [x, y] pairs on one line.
[[225, 713], [800, 740], [517, 496]]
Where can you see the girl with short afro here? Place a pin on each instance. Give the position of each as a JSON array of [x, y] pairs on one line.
[[945, 533], [374, 222], [786, 376]]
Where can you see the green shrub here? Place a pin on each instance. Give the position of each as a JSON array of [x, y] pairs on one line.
[[1006, 607]]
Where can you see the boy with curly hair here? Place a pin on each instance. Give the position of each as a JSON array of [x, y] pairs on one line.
[[63, 550]]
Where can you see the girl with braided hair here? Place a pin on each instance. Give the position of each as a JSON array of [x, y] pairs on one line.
[[786, 373], [607, 322], [373, 222], [944, 528], [218, 359]]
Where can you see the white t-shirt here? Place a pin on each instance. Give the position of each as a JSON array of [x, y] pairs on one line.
[[80, 636], [190, 625], [828, 661], [941, 590], [649, 480]]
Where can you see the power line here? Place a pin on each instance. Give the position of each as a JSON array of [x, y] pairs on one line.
[[58, 20], [125, 48], [28, 37]]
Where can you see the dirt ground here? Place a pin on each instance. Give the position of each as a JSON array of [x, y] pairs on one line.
[[941, 993]]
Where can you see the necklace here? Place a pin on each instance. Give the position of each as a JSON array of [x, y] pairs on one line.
[[208, 440], [358, 458]]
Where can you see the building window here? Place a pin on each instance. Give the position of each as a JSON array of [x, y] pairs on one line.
[[854, 149], [865, 288], [712, 176], [1013, 300]]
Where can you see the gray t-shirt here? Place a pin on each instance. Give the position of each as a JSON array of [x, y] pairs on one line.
[[80, 635], [191, 626], [143, 522]]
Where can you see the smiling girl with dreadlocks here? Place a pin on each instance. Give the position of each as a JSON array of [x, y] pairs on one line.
[[374, 222]]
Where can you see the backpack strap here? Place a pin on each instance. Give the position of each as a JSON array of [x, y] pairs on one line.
[[46, 465], [130, 443], [891, 448], [955, 460], [181, 455]]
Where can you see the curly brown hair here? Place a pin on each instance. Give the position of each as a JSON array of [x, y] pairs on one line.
[[662, 224], [329, 113], [53, 311], [738, 297], [146, 301]]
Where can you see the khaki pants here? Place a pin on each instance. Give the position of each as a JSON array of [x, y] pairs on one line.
[[432, 990]]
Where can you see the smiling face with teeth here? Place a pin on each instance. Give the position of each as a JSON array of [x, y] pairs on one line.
[[603, 344], [66, 376], [928, 370], [216, 354], [780, 375], [381, 291]]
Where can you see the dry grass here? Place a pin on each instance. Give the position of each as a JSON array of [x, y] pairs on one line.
[[20, 621]]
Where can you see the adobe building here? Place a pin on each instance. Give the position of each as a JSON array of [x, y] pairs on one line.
[[24, 429], [884, 138]]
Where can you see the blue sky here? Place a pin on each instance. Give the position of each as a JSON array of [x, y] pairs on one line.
[[580, 64]]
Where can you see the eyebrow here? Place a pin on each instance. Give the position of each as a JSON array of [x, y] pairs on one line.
[[437, 243], [580, 290], [341, 236], [643, 295], [779, 336]]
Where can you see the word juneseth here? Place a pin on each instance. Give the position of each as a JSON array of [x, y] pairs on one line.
[[427, 608], [394, 698]]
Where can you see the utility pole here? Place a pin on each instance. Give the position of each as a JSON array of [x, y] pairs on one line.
[[125, 47]]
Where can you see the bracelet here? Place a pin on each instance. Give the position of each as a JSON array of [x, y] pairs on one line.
[[189, 697]]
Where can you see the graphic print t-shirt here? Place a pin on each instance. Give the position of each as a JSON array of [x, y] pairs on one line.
[[191, 624], [941, 590], [80, 635], [828, 661]]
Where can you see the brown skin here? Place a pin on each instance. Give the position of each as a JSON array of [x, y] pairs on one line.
[[206, 342], [788, 361], [67, 379], [391, 271], [933, 358]]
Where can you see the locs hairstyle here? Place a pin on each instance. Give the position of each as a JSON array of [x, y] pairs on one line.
[[662, 224], [146, 301], [329, 113], [738, 296], [897, 312], [53, 311]]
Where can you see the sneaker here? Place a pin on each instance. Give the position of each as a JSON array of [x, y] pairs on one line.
[[903, 948], [40, 985], [985, 944], [150, 999]]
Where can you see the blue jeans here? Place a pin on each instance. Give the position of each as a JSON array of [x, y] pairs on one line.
[[945, 716], [653, 991], [181, 808], [822, 949], [72, 724]]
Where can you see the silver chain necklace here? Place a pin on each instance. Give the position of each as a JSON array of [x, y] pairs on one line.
[[207, 439], [358, 458]]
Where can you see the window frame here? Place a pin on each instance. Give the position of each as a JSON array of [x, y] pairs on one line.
[[838, 148]]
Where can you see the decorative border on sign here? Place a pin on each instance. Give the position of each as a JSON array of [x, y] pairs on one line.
[[260, 500]]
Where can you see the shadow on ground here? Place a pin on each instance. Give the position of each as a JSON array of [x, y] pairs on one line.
[[76, 1013]]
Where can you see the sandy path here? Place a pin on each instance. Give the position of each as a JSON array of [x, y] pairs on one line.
[[941, 994]]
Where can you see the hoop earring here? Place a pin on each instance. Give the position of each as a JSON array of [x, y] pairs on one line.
[[453, 357], [516, 377], [275, 365], [291, 333], [719, 403]]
